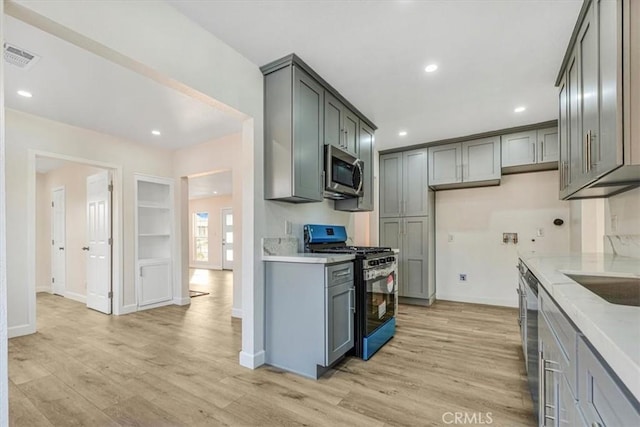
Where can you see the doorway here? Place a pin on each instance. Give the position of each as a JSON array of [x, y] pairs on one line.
[[73, 242], [227, 238]]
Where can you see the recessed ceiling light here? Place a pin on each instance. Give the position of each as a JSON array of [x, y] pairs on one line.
[[402, 133], [155, 132], [215, 192], [431, 68], [519, 109], [25, 93]]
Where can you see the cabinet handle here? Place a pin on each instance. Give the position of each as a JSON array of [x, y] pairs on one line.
[[352, 294], [596, 424], [541, 154], [542, 398], [404, 207], [321, 182], [586, 153], [535, 153]]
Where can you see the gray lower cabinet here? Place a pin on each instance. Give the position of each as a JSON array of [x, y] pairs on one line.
[[404, 187], [340, 125], [536, 149], [309, 318], [576, 387], [411, 235], [598, 148], [366, 141], [465, 164], [294, 117], [602, 401]]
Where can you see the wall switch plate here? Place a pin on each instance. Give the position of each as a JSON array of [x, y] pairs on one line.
[[462, 277]]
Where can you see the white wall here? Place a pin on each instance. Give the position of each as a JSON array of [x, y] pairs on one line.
[[213, 206], [622, 213], [73, 178], [476, 219], [25, 132]]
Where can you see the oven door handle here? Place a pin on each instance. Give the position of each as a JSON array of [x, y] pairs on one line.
[[358, 164]]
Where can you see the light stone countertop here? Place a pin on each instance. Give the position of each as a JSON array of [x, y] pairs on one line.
[[307, 258], [613, 329]]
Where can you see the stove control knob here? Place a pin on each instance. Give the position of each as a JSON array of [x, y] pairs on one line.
[[391, 259], [373, 262]]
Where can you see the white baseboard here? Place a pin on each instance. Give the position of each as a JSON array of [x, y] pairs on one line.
[[252, 361], [44, 288], [76, 296], [182, 301], [205, 266], [236, 312], [20, 330], [502, 302], [127, 309]]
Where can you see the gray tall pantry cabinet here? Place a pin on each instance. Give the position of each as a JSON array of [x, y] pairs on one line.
[[407, 222]]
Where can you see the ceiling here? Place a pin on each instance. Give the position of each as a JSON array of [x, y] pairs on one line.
[[73, 86], [493, 56], [212, 185]]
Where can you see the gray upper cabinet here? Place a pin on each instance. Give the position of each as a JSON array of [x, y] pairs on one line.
[[340, 125], [598, 149], [445, 164], [465, 164], [294, 111], [403, 184], [303, 113], [530, 151], [390, 185], [366, 140]]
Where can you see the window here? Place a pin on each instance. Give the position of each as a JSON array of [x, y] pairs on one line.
[[201, 236]]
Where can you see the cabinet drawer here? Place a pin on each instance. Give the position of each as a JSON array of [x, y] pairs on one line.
[[565, 333], [339, 273], [602, 399]]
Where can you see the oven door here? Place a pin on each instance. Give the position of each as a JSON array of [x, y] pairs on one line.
[[381, 299], [343, 174]]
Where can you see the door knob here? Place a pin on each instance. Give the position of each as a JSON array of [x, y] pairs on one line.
[[85, 248]]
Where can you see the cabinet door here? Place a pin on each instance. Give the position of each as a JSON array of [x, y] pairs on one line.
[[574, 172], [547, 145], [414, 255], [390, 185], [340, 304], [608, 148], [333, 130], [519, 149], [588, 90], [563, 135], [548, 381], [481, 159], [350, 125], [445, 164], [365, 153], [308, 136], [414, 183], [155, 283], [390, 237], [601, 399]]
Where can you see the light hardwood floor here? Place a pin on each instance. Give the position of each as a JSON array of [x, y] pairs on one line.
[[178, 366]]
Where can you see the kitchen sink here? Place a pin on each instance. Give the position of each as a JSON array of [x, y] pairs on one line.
[[616, 290]]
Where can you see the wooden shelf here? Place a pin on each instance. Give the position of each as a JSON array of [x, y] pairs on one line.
[[154, 235], [152, 205]]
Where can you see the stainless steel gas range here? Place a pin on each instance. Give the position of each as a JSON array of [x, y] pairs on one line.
[[376, 285]]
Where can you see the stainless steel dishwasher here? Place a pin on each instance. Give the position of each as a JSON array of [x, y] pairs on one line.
[[528, 291]]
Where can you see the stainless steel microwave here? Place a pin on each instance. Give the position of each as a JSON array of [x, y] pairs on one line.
[[342, 173]]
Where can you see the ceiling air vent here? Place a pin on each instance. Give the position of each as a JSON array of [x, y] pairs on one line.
[[19, 57]]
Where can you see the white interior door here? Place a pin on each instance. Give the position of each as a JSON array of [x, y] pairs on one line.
[[227, 239], [58, 241], [99, 242]]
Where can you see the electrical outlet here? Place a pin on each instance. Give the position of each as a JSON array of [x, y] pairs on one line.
[[462, 277], [450, 238], [287, 227], [614, 223], [540, 232]]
